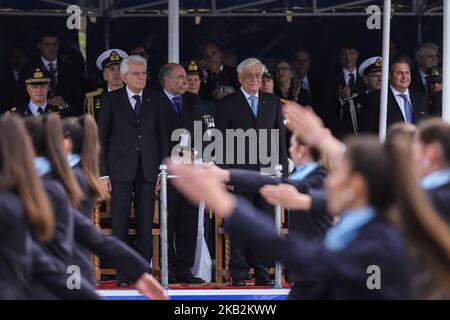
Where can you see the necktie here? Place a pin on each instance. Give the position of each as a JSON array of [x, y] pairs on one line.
[[351, 81], [254, 105], [52, 70], [409, 112], [40, 110], [138, 105], [177, 104]]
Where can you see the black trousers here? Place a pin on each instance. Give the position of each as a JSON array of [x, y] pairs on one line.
[[241, 256], [182, 231], [142, 194]]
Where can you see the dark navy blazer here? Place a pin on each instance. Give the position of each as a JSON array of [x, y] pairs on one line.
[[341, 274]]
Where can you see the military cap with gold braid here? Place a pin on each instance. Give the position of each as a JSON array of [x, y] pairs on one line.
[[192, 68], [435, 74], [37, 75], [370, 65], [110, 57]]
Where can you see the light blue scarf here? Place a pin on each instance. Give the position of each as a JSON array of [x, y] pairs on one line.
[[42, 165], [436, 179], [74, 159], [302, 171], [338, 237]]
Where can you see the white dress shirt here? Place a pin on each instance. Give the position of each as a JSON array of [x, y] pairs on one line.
[[347, 75], [55, 66], [130, 97], [400, 100], [305, 83], [247, 97], [34, 108]]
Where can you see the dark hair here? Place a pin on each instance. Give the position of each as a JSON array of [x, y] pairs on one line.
[[47, 137], [301, 50], [400, 59], [427, 234], [368, 158], [435, 131], [348, 44], [49, 34], [83, 133], [135, 46], [295, 83], [17, 174]]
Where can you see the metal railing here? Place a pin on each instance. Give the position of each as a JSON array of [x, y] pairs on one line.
[[164, 177]]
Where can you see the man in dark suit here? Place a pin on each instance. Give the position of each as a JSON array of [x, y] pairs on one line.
[[37, 82], [251, 110], [426, 56], [131, 134], [66, 90], [219, 79], [404, 104], [302, 61], [339, 87], [180, 110], [11, 84]]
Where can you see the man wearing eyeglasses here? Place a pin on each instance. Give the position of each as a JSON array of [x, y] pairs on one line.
[[132, 148], [259, 114]]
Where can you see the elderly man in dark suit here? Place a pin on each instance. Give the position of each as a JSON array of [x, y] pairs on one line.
[[180, 109], [132, 148], [251, 110], [404, 104]]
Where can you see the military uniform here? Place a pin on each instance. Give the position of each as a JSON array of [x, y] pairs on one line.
[[434, 98], [36, 76], [93, 99], [353, 106]]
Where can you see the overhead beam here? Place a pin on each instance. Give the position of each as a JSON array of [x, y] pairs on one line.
[[246, 5], [344, 5]]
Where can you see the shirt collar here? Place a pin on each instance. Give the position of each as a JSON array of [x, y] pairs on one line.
[[247, 95], [169, 95], [305, 79], [131, 94], [424, 77], [352, 221], [396, 92], [34, 107], [304, 170], [346, 73], [221, 67], [46, 62], [74, 159], [42, 165], [436, 179]]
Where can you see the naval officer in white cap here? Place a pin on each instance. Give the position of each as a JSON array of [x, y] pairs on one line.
[[108, 62]]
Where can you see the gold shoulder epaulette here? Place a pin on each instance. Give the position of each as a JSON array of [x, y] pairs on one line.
[[94, 93]]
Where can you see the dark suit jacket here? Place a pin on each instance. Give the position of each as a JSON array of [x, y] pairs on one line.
[[370, 117], [329, 108], [124, 138], [416, 82], [440, 198], [234, 112], [69, 86], [341, 274], [312, 225], [24, 263], [227, 77], [24, 110], [190, 106]]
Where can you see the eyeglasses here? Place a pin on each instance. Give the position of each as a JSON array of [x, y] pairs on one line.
[[137, 74]]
